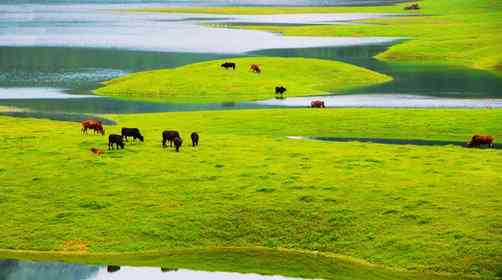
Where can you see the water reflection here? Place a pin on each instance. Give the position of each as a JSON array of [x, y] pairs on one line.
[[28, 270], [81, 69], [409, 79], [106, 105], [386, 101]]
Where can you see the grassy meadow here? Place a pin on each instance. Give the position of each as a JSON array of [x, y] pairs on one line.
[[207, 82], [455, 32], [403, 207]]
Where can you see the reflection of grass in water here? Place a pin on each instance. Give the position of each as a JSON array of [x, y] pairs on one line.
[[263, 261], [207, 82], [403, 207]]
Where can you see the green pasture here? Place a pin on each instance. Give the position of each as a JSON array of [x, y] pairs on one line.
[[208, 82], [402, 207]]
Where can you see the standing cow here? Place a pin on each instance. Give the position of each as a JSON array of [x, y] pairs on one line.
[[478, 140], [255, 68], [195, 139], [317, 104], [227, 65], [117, 140], [168, 136], [132, 132], [95, 125], [280, 90]]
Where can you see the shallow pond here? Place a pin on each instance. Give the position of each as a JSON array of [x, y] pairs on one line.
[[28, 270]]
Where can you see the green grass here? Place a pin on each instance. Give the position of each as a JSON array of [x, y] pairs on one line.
[[207, 82], [244, 260], [434, 209], [455, 32]]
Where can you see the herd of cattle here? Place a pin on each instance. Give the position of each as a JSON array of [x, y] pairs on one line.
[[168, 136], [173, 137], [279, 90]]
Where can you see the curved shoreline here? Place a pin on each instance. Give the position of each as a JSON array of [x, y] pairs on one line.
[[139, 259]]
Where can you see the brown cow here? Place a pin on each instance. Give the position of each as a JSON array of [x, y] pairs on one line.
[[95, 125], [478, 140], [317, 104], [255, 68]]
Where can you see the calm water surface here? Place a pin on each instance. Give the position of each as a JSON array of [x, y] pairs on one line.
[[28, 270], [53, 55]]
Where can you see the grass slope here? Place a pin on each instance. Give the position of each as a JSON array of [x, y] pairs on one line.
[[456, 32], [406, 207], [208, 82]]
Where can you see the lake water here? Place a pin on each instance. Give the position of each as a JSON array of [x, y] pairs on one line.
[[29, 270], [53, 54]]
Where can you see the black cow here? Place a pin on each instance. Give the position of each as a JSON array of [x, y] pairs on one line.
[[112, 268], [227, 65], [132, 132], [195, 139], [177, 143], [115, 139], [280, 90], [169, 135]]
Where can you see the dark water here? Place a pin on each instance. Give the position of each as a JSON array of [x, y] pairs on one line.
[[428, 80], [28, 270], [110, 105], [81, 69], [416, 142], [72, 117], [66, 68]]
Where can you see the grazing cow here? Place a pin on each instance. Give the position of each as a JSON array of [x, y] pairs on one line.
[[195, 139], [169, 135], [412, 7], [133, 132], [227, 65], [317, 104], [177, 143], [478, 140], [112, 268], [279, 92], [255, 68], [95, 125], [97, 151], [117, 140]]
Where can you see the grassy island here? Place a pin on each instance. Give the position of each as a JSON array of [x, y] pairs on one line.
[[208, 82]]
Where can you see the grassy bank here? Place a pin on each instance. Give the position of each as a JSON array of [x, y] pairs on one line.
[[207, 82], [244, 260], [406, 207], [456, 32]]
